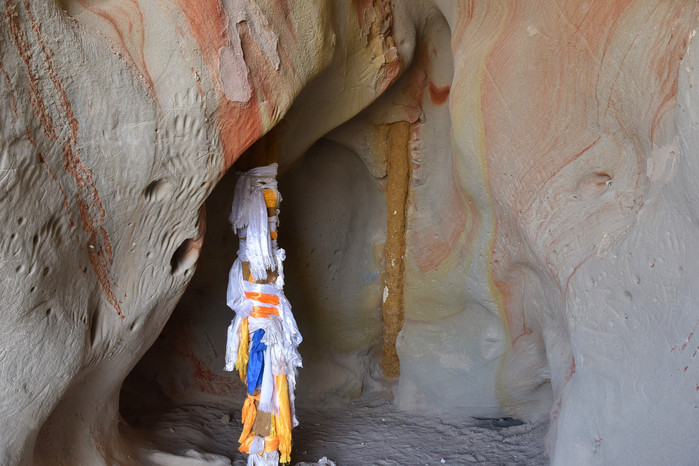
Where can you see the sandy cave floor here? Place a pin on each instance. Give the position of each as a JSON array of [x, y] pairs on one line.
[[359, 433]]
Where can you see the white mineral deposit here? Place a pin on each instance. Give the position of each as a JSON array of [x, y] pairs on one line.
[[490, 212]]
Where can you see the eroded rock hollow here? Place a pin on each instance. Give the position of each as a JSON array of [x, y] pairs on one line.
[[488, 207]]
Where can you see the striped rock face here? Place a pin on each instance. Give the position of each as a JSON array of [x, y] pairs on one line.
[[493, 203], [118, 118]]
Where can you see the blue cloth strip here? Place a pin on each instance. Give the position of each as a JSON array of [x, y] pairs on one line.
[[256, 363]]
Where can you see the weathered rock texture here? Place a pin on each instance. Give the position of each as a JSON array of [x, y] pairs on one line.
[[545, 263]]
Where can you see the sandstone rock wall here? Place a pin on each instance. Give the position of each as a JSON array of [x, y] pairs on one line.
[[540, 263]]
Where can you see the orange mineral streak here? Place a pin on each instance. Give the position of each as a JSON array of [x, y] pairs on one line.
[[126, 29], [91, 211], [396, 138]]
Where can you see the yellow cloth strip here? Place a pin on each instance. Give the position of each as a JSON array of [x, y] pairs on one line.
[[270, 198], [249, 414], [243, 355], [283, 419], [271, 202], [271, 444]]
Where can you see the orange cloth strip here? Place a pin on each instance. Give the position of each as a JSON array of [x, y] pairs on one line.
[[264, 312], [248, 417], [249, 414], [263, 298]]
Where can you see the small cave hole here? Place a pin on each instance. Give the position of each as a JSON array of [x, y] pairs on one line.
[[185, 257], [157, 190], [93, 328]]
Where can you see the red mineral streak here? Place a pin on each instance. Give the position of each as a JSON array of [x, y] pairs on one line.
[[442, 229], [239, 124], [211, 343], [439, 95], [90, 207], [436, 232], [364, 9], [126, 20], [282, 9], [9, 83], [509, 304], [66, 205], [389, 74], [24, 52], [559, 402], [375, 20], [208, 25], [182, 342], [689, 339], [510, 285]]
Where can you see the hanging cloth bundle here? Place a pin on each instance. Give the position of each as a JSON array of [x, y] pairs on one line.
[[263, 338]]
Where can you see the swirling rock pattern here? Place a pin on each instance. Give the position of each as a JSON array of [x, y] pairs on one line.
[[550, 221]]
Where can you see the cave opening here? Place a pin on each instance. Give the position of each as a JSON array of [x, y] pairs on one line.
[[346, 247], [333, 226]]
